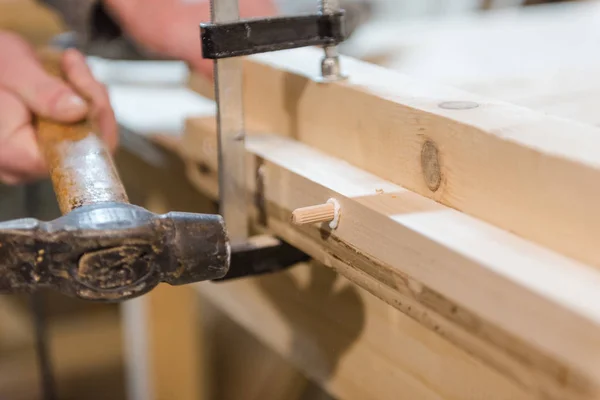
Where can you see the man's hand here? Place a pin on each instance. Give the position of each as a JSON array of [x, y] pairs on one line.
[[26, 89], [171, 27]]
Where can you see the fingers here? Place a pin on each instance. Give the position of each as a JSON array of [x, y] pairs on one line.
[[22, 74], [26, 88], [20, 158], [80, 76]]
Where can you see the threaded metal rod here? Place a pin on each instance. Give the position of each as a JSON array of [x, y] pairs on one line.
[[330, 65]]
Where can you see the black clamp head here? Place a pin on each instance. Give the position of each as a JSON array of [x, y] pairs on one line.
[[264, 35]]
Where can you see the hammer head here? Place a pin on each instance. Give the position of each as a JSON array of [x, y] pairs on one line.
[[112, 251]]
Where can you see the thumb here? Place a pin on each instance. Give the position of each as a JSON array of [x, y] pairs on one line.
[[22, 74]]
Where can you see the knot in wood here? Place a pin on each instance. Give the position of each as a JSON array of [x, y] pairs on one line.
[[430, 164]]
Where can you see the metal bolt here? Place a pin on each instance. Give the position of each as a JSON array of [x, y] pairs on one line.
[[330, 65]]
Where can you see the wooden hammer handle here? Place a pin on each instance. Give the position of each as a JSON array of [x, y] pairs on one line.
[[80, 165]]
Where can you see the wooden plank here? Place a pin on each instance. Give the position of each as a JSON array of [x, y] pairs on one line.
[[351, 343], [474, 284], [523, 171]]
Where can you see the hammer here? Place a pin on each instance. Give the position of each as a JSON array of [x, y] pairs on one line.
[[103, 248]]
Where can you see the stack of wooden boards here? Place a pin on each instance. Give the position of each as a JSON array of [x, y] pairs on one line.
[[473, 217]]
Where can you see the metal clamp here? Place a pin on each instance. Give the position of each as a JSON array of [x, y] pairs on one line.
[[255, 36]]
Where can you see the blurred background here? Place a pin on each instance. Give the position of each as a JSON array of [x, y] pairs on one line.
[[493, 47]]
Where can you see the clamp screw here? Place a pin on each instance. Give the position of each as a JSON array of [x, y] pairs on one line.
[[330, 65]]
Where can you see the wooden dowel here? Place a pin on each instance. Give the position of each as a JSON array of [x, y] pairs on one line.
[[326, 212], [309, 215]]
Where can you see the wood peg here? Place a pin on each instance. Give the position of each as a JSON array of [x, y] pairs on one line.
[[326, 212]]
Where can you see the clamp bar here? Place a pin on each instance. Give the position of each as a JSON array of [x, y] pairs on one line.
[[231, 132], [254, 36]]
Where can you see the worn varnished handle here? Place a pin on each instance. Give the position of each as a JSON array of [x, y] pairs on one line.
[[80, 165]]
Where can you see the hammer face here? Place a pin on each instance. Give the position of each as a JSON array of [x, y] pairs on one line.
[[111, 251]]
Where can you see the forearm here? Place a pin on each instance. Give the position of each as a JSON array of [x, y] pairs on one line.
[[96, 31]]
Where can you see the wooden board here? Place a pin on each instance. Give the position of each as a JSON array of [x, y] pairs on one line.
[[350, 342], [523, 171], [470, 282]]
